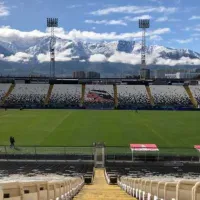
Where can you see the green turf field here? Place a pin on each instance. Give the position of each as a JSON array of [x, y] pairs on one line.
[[115, 128]]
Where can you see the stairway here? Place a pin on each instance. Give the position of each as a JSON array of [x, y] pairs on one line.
[[100, 190], [150, 95], [12, 86], [193, 100], [46, 101]]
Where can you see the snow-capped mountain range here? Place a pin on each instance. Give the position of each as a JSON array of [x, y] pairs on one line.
[[36, 52]]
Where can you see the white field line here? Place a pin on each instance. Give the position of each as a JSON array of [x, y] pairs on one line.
[[55, 127]]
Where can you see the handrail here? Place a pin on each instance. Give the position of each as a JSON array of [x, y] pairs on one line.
[[126, 184]]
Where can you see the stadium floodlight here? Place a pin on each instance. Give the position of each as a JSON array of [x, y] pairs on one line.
[[52, 23], [143, 24]]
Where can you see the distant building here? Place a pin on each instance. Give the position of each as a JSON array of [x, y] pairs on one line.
[[145, 73], [93, 75], [182, 75], [78, 74]]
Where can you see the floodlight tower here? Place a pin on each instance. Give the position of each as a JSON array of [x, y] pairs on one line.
[[52, 23], [144, 24]]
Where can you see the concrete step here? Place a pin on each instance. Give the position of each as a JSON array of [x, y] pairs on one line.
[[100, 190]]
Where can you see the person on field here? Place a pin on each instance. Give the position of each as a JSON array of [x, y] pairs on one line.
[[11, 142]]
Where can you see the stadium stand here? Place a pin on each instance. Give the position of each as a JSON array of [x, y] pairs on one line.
[[196, 92], [170, 96], [160, 189], [165, 181], [31, 169], [99, 96], [4, 91], [66, 188], [130, 96], [42, 180], [159, 170], [28, 95], [65, 95]]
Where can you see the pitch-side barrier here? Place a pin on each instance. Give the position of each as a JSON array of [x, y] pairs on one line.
[[99, 154]]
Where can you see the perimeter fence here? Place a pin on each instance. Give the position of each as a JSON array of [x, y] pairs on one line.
[[87, 153]]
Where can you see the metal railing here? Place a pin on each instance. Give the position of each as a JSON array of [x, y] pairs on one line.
[[87, 153], [46, 153]]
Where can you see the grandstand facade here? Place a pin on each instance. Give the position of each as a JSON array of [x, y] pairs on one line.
[[129, 95]]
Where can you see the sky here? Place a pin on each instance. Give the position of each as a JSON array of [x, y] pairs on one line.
[[174, 23]]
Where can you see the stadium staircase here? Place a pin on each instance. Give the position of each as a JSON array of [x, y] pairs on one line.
[[12, 86], [193, 100], [48, 94], [149, 95], [100, 190]]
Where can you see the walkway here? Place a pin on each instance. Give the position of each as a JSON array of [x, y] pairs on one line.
[[100, 190]]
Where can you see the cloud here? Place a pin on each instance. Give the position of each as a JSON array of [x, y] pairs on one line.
[[60, 57], [74, 6], [194, 17], [133, 19], [162, 19], [4, 11], [107, 22], [18, 57], [98, 58], [134, 10], [195, 35], [156, 38], [10, 35], [184, 41], [43, 58], [165, 18], [182, 61], [90, 35], [126, 58], [186, 29], [155, 59]]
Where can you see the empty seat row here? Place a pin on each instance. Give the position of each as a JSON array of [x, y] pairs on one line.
[[28, 94], [27, 169], [99, 96], [46, 190], [149, 189], [170, 95]]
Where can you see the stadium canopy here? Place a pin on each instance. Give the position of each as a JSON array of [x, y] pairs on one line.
[[197, 147], [144, 147]]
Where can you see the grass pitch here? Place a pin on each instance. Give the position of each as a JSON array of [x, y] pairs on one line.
[[115, 128]]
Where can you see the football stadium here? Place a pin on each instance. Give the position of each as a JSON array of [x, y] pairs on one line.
[[94, 113], [138, 139]]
